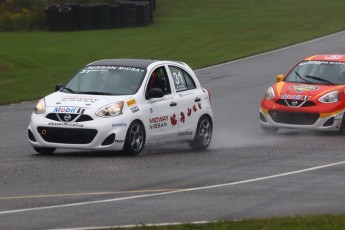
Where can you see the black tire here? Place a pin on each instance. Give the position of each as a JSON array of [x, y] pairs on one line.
[[342, 127], [44, 150], [270, 130], [135, 138], [203, 134]]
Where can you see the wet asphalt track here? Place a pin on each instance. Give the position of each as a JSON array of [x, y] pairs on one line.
[[245, 173]]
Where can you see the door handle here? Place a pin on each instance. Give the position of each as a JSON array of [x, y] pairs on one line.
[[197, 99], [173, 104]]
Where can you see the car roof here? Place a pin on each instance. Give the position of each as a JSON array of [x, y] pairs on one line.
[[327, 57], [141, 63]]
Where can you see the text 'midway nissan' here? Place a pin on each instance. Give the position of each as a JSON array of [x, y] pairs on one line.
[[124, 104], [311, 96]]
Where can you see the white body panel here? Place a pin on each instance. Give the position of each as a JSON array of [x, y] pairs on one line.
[[162, 117]]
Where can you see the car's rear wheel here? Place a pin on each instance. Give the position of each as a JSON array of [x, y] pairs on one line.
[[135, 138], [203, 134], [44, 150], [270, 130]]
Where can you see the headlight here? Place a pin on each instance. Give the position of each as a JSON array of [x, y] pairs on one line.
[[269, 95], [111, 110], [330, 97], [40, 107]]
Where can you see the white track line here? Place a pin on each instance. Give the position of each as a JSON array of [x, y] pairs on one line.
[[172, 192], [133, 226]]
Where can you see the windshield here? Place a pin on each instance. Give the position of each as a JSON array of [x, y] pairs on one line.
[[106, 80], [318, 72]]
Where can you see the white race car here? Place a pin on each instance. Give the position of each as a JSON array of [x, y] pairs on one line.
[[124, 104]]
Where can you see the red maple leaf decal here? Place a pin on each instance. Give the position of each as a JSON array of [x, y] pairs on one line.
[[194, 108], [199, 105], [182, 117], [173, 119], [189, 112]]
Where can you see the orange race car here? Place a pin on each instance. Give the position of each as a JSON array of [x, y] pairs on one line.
[[310, 96]]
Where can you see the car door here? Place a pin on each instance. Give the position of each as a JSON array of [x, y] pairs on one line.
[[188, 99], [162, 112]]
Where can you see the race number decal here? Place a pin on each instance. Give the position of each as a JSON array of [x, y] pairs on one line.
[[180, 84]]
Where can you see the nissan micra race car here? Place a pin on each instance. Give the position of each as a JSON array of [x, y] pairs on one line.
[[124, 104], [310, 96]]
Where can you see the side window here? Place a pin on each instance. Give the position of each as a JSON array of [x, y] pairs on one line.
[[159, 79], [182, 80], [189, 80]]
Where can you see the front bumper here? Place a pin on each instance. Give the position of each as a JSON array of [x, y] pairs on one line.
[[301, 120], [101, 133]]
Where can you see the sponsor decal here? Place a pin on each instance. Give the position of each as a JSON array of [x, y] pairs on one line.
[[161, 99], [183, 134], [158, 122], [295, 97], [302, 88], [131, 102], [119, 125], [119, 141], [333, 57], [185, 94], [68, 110], [135, 109], [158, 119], [320, 63], [80, 99], [107, 68], [66, 124]]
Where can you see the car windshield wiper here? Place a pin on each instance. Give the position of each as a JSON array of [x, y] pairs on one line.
[[69, 90], [320, 79], [302, 77], [94, 93]]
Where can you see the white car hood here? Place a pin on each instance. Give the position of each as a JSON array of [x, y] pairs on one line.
[[59, 99]]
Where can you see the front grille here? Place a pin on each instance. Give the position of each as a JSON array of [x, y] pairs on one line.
[[61, 117], [295, 103], [84, 117], [67, 135], [294, 118]]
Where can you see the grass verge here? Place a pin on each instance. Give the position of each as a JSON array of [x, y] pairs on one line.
[[317, 222], [201, 33]]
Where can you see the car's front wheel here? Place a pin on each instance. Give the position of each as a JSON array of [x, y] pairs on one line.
[[135, 138], [342, 126], [203, 134], [44, 150]]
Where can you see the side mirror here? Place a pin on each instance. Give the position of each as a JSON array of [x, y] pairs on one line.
[[58, 87], [280, 77], [156, 93]]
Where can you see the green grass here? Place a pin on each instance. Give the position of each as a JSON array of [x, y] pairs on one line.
[[198, 32], [318, 222]]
